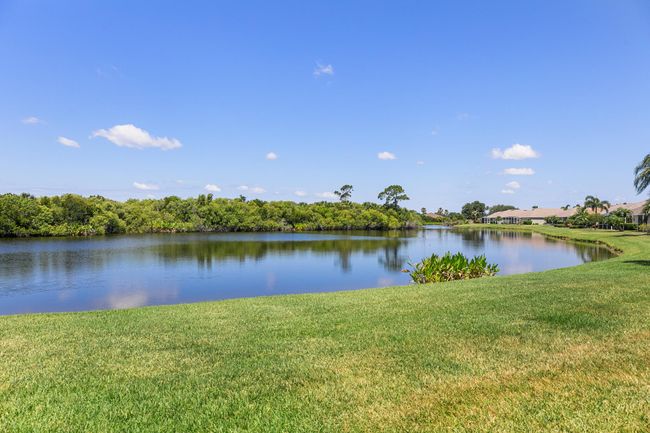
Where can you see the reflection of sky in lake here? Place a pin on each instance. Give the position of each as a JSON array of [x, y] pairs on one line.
[[130, 271]]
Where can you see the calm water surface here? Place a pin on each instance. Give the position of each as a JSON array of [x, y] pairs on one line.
[[38, 275]]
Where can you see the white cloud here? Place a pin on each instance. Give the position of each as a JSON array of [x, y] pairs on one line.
[[419, 162], [129, 135], [513, 185], [326, 194], [32, 120], [300, 193], [146, 186], [212, 187], [516, 151], [67, 142], [386, 156], [323, 70], [507, 191], [271, 156], [519, 171], [253, 189]]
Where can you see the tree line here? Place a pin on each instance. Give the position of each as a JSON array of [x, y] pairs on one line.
[[74, 215]]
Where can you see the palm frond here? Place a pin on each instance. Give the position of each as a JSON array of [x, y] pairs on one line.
[[642, 174]]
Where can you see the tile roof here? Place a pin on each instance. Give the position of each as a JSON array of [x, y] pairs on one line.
[[539, 213], [535, 213], [636, 208]]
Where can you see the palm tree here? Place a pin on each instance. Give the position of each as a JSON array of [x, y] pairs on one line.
[[605, 205], [642, 180], [642, 175], [345, 192], [596, 205]]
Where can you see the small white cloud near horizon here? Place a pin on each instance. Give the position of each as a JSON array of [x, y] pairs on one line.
[[271, 156], [516, 151], [519, 171], [212, 187], [67, 142], [253, 189], [31, 120], [323, 69], [146, 186], [129, 135], [513, 185], [326, 194], [507, 191], [300, 193], [386, 156], [419, 162]]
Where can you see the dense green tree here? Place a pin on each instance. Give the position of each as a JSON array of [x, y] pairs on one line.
[[623, 213], [501, 207], [474, 211], [392, 195], [582, 218], [615, 222], [73, 215]]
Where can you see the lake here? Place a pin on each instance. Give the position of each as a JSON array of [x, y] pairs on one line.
[[75, 274]]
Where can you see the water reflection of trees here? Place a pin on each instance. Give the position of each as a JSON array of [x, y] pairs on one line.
[[27, 264], [390, 248], [391, 259], [478, 238], [206, 253]]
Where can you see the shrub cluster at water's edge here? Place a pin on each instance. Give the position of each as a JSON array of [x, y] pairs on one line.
[[450, 267], [74, 215]]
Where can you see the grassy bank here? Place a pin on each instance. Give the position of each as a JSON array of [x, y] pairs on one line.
[[562, 350]]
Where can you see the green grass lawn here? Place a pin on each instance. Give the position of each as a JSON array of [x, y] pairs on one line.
[[563, 351]]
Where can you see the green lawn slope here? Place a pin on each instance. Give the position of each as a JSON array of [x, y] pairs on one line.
[[566, 350]]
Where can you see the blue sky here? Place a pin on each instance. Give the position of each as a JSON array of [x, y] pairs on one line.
[[127, 99]]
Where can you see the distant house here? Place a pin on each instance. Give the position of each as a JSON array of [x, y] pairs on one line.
[[539, 215], [435, 216], [536, 216], [638, 216]]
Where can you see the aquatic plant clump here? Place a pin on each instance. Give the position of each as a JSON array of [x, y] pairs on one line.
[[436, 269]]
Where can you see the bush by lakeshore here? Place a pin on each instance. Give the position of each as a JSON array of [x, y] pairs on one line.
[[74, 215]]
